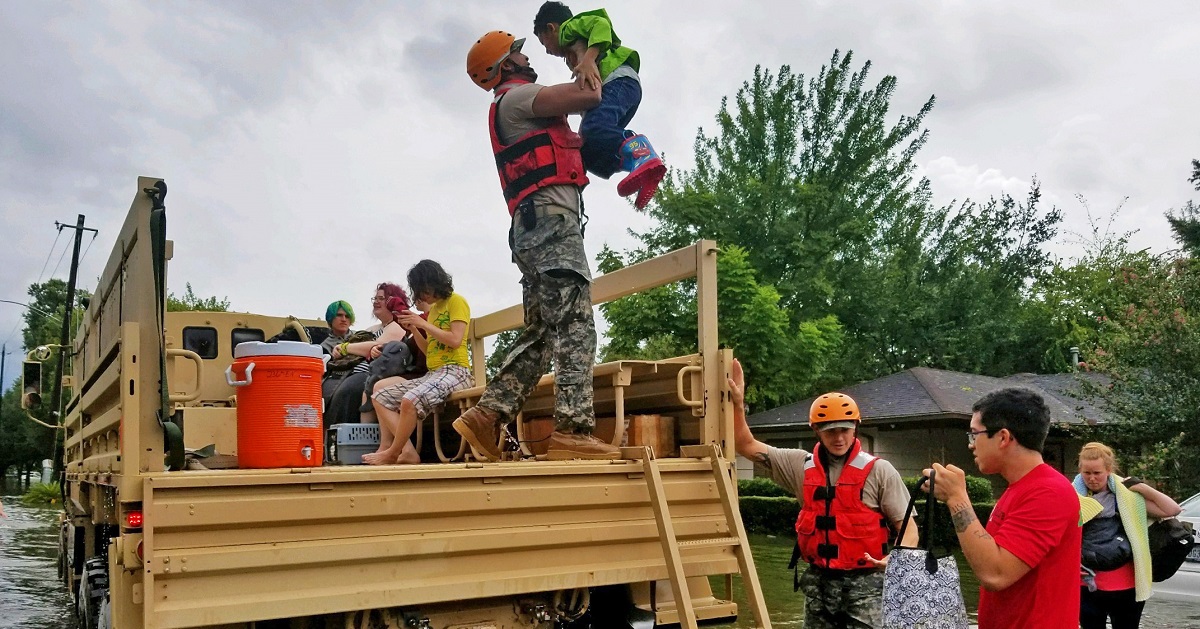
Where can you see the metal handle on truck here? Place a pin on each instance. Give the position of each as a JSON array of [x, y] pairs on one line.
[[679, 386], [239, 383], [194, 357]]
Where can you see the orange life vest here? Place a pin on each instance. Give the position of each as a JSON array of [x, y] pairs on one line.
[[541, 158], [834, 527]]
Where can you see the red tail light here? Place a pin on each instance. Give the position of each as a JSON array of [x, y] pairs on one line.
[[140, 552], [133, 520]]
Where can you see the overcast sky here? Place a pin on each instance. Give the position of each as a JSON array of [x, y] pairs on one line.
[[313, 150]]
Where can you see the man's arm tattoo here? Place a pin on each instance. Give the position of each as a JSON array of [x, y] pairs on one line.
[[962, 515], [762, 459]]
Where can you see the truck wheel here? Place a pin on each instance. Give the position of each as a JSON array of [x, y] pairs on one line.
[[93, 592]]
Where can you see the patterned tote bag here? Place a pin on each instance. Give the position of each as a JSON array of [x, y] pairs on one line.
[[920, 589]]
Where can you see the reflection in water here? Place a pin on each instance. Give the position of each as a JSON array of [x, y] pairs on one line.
[[30, 594]]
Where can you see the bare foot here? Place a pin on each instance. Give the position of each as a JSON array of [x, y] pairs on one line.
[[380, 458], [408, 456]]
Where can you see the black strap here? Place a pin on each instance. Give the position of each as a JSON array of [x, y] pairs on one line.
[[925, 530], [793, 565], [172, 435], [512, 151], [515, 187], [521, 147]]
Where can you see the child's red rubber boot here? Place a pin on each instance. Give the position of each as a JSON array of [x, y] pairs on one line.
[[645, 169]]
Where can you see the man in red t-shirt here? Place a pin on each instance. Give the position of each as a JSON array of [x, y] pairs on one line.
[[1027, 559]]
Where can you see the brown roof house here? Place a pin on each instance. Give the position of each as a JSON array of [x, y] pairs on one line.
[[921, 415]]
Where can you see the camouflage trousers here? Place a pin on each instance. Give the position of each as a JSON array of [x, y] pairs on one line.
[[559, 326], [845, 602]]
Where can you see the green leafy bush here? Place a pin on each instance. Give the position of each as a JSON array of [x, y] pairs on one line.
[[761, 487], [978, 489], [43, 494], [943, 528], [773, 515]]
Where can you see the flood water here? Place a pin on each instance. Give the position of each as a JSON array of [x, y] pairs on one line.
[[31, 596]]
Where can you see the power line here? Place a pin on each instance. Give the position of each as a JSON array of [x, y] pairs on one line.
[[41, 274], [49, 253], [89, 248], [59, 263]]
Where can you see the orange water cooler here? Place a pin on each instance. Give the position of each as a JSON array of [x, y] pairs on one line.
[[279, 405]]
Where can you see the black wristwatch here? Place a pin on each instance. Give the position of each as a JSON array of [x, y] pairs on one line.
[[1131, 481]]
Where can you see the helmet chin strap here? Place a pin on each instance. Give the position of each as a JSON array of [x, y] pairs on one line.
[[826, 454], [521, 73]]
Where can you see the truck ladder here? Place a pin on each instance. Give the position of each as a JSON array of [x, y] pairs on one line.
[[671, 545]]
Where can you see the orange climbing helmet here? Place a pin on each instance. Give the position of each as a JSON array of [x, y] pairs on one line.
[[834, 410], [486, 55]]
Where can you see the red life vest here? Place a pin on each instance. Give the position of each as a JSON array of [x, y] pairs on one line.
[[835, 528], [541, 158]]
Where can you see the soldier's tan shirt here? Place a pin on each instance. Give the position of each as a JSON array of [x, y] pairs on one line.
[[515, 118], [884, 490]]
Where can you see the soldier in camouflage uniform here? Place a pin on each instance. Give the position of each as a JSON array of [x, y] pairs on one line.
[[838, 482], [542, 176]]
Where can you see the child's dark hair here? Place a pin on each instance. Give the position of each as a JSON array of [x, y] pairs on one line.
[[428, 277], [1023, 412], [552, 12]]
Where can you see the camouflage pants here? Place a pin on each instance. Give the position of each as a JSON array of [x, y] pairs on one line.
[[842, 602], [557, 297]]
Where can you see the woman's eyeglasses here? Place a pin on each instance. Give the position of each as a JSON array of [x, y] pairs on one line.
[[378, 300]]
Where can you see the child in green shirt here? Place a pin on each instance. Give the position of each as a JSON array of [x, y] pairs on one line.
[[599, 61]]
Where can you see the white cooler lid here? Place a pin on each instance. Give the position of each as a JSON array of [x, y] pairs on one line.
[[282, 348]]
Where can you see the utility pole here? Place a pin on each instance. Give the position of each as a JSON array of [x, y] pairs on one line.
[[3, 361], [65, 339]]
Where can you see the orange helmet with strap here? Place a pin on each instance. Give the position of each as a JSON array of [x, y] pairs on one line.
[[834, 410], [486, 55]]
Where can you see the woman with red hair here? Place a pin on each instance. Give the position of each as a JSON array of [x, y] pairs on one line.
[[388, 300]]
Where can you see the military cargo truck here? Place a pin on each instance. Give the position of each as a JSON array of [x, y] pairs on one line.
[[152, 541]]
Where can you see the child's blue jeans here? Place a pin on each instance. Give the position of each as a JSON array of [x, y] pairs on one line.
[[603, 128]]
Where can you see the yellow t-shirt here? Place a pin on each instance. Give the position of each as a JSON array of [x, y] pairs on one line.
[[441, 314]]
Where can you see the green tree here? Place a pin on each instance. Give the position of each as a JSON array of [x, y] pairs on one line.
[[189, 301], [1186, 224], [1150, 351], [802, 174], [661, 323], [23, 443], [1077, 298], [504, 343], [1133, 315], [817, 189]]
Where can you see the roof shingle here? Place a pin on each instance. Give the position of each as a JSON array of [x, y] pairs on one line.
[[922, 392]]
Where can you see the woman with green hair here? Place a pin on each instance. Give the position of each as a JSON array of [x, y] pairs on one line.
[[340, 316]]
